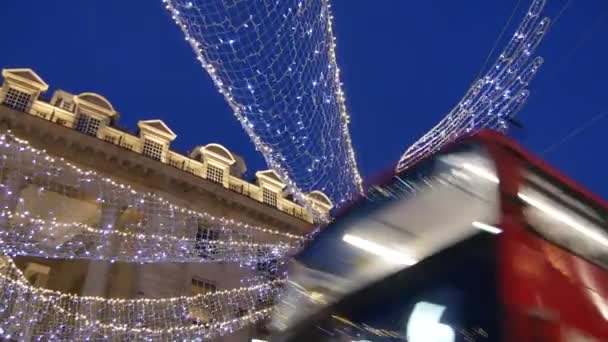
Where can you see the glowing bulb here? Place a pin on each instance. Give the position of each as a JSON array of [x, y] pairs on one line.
[[379, 250]]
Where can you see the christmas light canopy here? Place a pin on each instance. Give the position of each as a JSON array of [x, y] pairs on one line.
[[275, 64]]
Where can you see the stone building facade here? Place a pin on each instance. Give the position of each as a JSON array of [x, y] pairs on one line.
[[83, 130]]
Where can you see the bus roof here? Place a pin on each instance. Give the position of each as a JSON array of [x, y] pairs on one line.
[[489, 137], [493, 137]]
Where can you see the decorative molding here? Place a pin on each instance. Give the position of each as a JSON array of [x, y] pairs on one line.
[[215, 154], [25, 76]]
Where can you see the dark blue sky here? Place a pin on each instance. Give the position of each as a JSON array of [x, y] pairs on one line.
[[404, 65]]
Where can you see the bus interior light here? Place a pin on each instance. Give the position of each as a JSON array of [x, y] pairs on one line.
[[481, 172], [564, 218], [379, 250], [486, 227]]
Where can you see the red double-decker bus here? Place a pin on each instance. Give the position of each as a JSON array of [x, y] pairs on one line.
[[480, 242]]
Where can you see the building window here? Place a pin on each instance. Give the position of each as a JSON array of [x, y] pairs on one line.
[[199, 314], [267, 267], [215, 174], [87, 125], [269, 197], [63, 104], [36, 274], [153, 150], [202, 286], [17, 99], [206, 241], [67, 106]]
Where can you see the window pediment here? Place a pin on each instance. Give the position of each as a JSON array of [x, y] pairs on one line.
[[95, 103], [25, 77], [218, 153], [156, 128], [270, 178]]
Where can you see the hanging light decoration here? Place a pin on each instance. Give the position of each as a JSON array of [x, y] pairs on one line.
[[275, 64], [29, 312], [494, 98]]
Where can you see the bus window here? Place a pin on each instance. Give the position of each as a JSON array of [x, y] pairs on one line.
[[441, 201], [449, 297], [564, 218]]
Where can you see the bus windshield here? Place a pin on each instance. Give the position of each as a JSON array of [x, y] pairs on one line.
[[448, 297], [443, 200]]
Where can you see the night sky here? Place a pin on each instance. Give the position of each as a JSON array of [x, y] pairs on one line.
[[404, 65]]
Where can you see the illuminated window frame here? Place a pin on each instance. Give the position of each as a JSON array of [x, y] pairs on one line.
[[87, 125], [206, 240], [215, 174], [153, 149], [17, 99], [198, 314], [202, 286], [270, 197]]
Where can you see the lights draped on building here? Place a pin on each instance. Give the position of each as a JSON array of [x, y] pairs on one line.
[[159, 231], [275, 63], [27, 311], [152, 229], [494, 98]]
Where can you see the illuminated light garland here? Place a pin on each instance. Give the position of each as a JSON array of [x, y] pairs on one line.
[[29, 311], [159, 231], [494, 98], [275, 64], [28, 236]]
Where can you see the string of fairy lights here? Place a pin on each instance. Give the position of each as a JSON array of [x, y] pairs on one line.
[[494, 98], [275, 64], [40, 194], [155, 230], [27, 311], [26, 236]]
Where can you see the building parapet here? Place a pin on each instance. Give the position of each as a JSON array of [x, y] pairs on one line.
[[94, 115]]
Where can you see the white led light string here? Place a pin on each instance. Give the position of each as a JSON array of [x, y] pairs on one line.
[[275, 63], [494, 98], [28, 236], [159, 232], [26, 310]]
